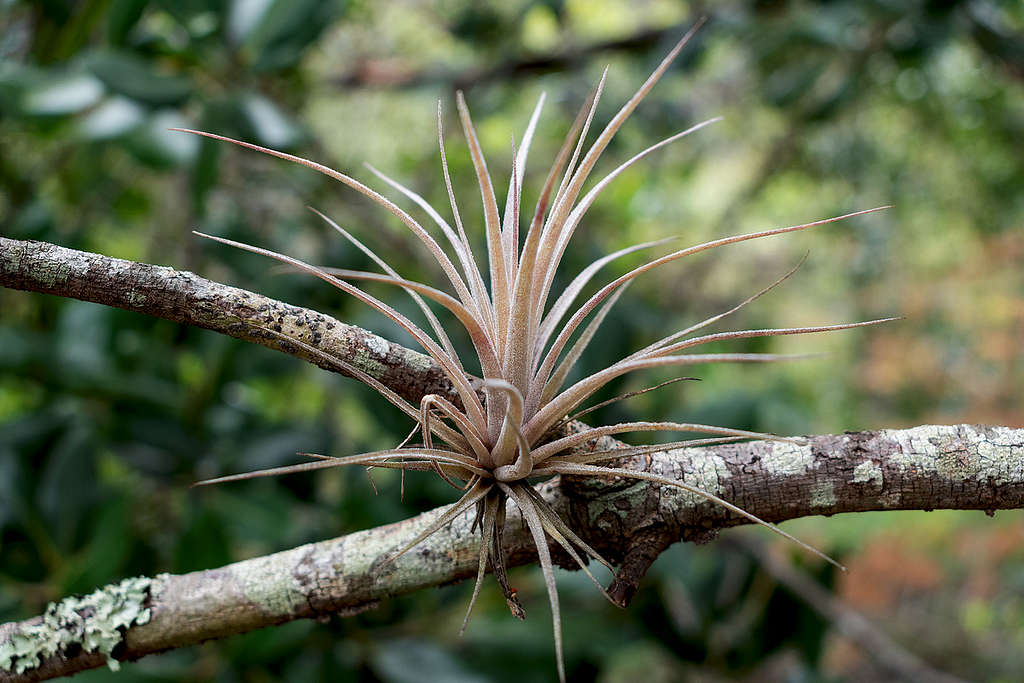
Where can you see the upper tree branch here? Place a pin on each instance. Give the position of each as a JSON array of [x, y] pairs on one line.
[[393, 73], [961, 467], [186, 298]]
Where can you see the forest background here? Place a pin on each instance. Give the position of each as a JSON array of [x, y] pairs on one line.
[[107, 417]]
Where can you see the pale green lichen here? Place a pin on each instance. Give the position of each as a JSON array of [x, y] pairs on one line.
[[52, 274], [704, 470], [363, 359], [787, 459], [917, 452], [136, 298], [991, 454], [823, 495], [271, 586], [417, 361], [708, 472], [867, 473], [96, 623], [1000, 455]]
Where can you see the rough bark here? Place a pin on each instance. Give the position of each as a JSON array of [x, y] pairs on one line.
[[186, 298], [927, 467], [962, 467]]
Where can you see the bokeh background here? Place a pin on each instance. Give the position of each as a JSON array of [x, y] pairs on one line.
[[107, 417]]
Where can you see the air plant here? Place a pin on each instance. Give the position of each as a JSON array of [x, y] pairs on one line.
[[491, 445]]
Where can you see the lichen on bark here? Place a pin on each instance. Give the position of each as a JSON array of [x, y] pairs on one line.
[[92, 623]]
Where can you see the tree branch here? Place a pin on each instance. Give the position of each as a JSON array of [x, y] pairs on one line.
[[394, 74], [183, 297], [960, 467], [963, 467]]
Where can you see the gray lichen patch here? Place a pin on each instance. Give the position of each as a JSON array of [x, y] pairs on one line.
[[823, 495], [992, 453], [269, 583], [707, 474], [135, 298], [1000, 455], [363, 358], [417, 361], [917, 447], [96, 623], [788, 459], [378, 345], [867, 472], [50, 274], [699, 468]]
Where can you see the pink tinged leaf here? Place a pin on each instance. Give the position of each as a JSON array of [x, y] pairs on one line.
[[559, 198], [575, 352], [552, 520], [525, 311], [475, 278], [432, 246], [595, 151], [449, 435], [547, 520], [519, 343], [510, 228], [509, 466], [585, 470], [451, 369], [548, 450], [467, 501], [376, 459], [621, 397], [775, 332], [550, 413], [715, 318], [510, 222], [453, 239], [481, 342], [499, 285], [569, 294], [534, 233], [486, 538], [403, 465], [573, 220], [425, 420], [536, 527], [551, 227], [411, 454], [462, 250], [566, 198], [470, 432], [584, 458], [557, 166], [435, 325], [560, 341]]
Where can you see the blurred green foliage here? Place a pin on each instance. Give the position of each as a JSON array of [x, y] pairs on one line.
[[106, 417]]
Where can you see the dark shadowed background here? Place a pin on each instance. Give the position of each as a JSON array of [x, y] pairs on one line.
[[107, 417]]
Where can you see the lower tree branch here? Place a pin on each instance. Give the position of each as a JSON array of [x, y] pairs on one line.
[[961, 467]]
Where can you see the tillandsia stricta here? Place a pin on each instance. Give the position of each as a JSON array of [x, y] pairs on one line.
[[491, 445]]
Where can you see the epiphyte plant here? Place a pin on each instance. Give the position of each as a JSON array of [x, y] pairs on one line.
[[493, 443]]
